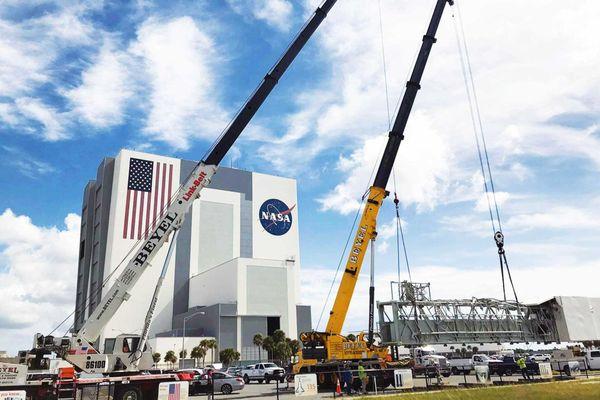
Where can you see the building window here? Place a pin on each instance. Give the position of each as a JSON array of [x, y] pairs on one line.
[[272, 325], [81, 249]]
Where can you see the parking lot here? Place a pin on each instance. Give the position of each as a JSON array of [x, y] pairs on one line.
[[258, 390]]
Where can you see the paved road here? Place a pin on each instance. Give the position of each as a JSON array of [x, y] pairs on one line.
[[261, 391]]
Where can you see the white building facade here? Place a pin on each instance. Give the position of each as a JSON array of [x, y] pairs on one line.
[[235, 270]]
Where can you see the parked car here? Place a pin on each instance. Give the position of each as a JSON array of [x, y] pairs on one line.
[[540, 357], [263, 372], [508, 366], [194, 371], [593, 359], [235, 371], [223, 383], [466, 365]]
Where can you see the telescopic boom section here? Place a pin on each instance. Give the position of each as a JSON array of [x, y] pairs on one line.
[[367, 228], [173, 216]]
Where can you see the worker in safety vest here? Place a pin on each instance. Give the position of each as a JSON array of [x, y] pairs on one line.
[[362, 375], [523, 365]]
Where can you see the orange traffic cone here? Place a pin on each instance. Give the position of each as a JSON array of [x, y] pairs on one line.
[[338, 388]]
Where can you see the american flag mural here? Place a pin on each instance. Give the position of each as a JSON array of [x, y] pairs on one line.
[[173, 391], [149, 188]]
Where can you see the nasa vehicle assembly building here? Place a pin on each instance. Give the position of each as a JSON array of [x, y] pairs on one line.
[[235, 270]]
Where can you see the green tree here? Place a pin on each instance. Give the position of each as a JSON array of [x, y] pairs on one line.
[[156, 357], [351, 337], [258, 341], [170, 357], [475, 349], [183, 354], [282, 351], [198, 352], [294, 346], [204, 345], [269, 346], [211, 344], [227, 356], [278, 336]]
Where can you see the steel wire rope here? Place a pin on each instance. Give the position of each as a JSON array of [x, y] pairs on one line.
[[399, 230], [474, 124], [476, 115], [350, 232]]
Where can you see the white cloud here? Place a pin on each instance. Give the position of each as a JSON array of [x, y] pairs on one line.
[[23, 61], [521, 85], [276, 13], [179, 60], [28, 51], [559, 217], [105, 88], [419, 180], [53, 122], [37, 275], [25, 163]]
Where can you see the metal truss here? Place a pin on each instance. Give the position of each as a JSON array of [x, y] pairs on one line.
[[416, 319]]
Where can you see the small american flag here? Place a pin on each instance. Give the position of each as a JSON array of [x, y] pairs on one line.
[[173, 391], [149, 188]]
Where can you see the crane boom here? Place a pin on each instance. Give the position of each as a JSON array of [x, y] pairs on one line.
[[75, 349], [367, 228], [198, 179]]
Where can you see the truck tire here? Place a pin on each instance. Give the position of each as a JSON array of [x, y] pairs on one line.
[[246, 379], [226, 389], [129, 393]]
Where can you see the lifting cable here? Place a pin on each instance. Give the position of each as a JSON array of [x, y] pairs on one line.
[[399, 230], [480, 142], [350, 232]]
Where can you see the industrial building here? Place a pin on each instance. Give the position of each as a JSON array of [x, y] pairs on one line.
[[236, 264]]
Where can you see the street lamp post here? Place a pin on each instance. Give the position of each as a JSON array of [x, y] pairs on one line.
[[183, 335]]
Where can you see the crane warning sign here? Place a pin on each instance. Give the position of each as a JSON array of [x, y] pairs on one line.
[[12, 374], [305, 385], [12, 395]]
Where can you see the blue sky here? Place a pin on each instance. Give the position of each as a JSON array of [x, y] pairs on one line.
[[81, 80]]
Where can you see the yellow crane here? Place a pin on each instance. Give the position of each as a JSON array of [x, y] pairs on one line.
[[324, 352]]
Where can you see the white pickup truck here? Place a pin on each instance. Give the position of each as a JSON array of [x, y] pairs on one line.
[[262, 372], [466, 365]]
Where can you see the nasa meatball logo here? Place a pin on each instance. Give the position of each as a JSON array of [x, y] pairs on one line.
[[276, 217]]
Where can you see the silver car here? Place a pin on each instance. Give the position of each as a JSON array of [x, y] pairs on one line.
[[223, 383]]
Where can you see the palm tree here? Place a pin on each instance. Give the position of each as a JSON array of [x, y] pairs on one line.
[[183, 354], [227, 356], [268, 345], [204, 345], [282, 351], [258, 341], [294, 346], [198, 352], [278, 336], [170, 357], [211, 344], [156, 357]]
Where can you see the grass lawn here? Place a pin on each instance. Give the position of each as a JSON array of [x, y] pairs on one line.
[[584, 389]]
